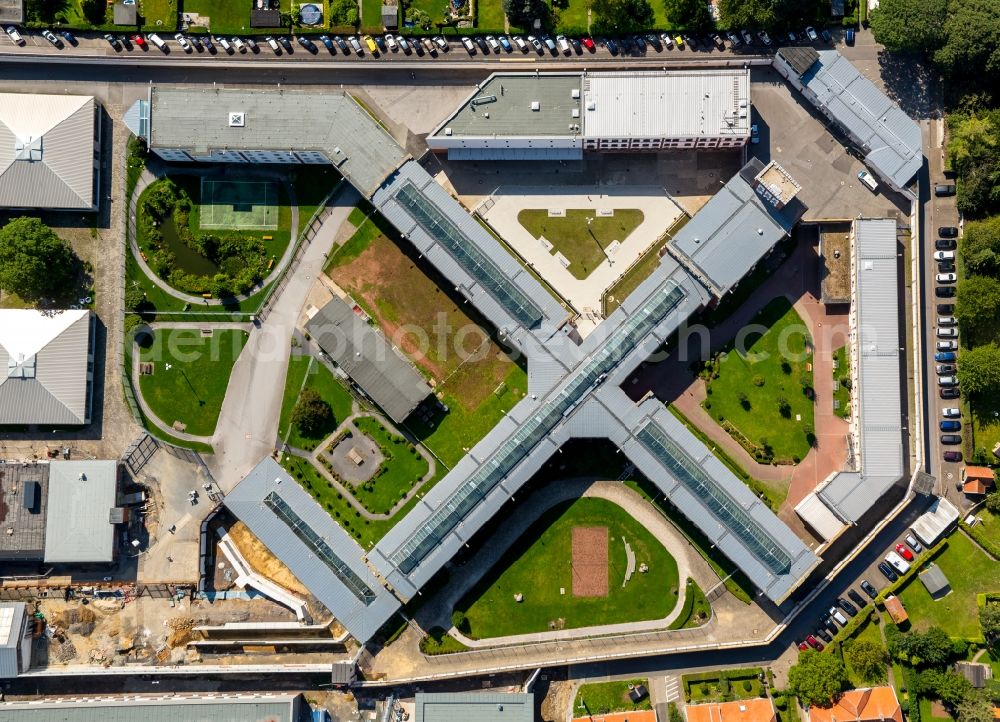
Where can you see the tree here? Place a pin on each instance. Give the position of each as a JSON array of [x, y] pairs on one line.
[[615, 17], [523, 13], [979, 372], [993, 502], [973, 38], [989, 615], [134, 297], [689, 14], [312, 415], [933, 648], [975, 708], [977, 304], [910, 26], [868, 659], [34, 261], [951, 688], [95, 11], [344, 12], [817, 678]]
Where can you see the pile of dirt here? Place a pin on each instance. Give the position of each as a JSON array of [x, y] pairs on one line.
[[262, 560], [180, 632], [76, 620], [61, 652]]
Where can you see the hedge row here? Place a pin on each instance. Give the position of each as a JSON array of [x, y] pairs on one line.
[[978, 534]]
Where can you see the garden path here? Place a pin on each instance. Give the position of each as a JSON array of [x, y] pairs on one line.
[[158, 171]]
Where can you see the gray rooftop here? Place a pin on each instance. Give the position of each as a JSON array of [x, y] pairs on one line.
[[321, 555], [369, 359], [47, 151], [12, 639], [503, 106], [81, 497], [200, 122], [22, 530], [44, 376], [477, 707], [877, 365], [11, 11], [173, 708], [733, 231], [934, 581], [891, 139]]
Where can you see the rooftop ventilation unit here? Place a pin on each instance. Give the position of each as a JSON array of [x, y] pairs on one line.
[[575, 112], [591, 105], [447, 131], [535, 105], [575, 93], [237, 119]]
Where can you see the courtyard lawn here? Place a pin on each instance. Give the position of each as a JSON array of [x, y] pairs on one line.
[[969, 571], [489, 15], [371, 15], [159, 15], [540, 566], [608, 697], [842, 377], [317, 377], [582, 243], [640, 270], [570, 16], [227, 17], [746, 398], [983, 414], [710, 687], [697, 608], [192, 389], [402, 468], [443, 335]]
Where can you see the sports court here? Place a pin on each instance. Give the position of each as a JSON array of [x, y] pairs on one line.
[[238, 204], [590, 561]]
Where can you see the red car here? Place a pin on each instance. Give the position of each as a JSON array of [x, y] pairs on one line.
[[904, 552], [588, 44], [140, 41], [803, 647], [815, 643]]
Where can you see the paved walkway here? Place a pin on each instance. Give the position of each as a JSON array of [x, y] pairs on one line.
[[153, 172], [660, 212], [248, 422]]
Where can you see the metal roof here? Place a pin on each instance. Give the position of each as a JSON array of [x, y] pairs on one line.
[[44, 377], [201, 122], [891, 139], [321, 555], [930, 526], [518, 104], [689, 103], [474, 707], [733, 231], [81, 497], [47, 151], [205, 708], [12, 617], [934, 580], [878, 397], [369, 359]]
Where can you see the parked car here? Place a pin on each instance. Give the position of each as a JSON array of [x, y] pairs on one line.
[[69, 37], [405, 45], [948, 231], [857, 598], [252, 44], [734, 39], [945, 369], [342, 44], [140, 41], [747, 37], [904, 552], [328, 43], [612, 46], [124, 40], [563, 44], [588, 43], [951, 425], [947, 381], [239, 45], [390, 43], [868, 588], [811, 34], [951, 439], [112, 41], [824, 635], [946, 320], [550, 44], [945, 356], [847, 606], [825, 34], [953, 456], [945, 292], [764, 37], [353, 42], [944, 255], [225, 45], [837, 615], [481, 42], [944, 189], [754, 134], [15, 37], [679, 42], [209, 45], [273, 44], [183, 42], [370, 44], [47, 34], [197, 44], [946, 309], [442, 43], [849, 36], [718, 41], [640, 43], [654, 42], [380, 44], [868, 179], [897, 562], [814, 643], [308, 44], [537, 44], [792, 37], [470, 48], [949, 393], [947, 332], [946, 267], [803, 647], [577, 48], [286, 43], [887, 571], [492, 42], [521, 44], [950, 412], [505, 43], [945, 244], [827, 622], [945, 278]]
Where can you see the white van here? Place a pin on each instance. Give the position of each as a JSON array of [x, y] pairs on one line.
[[869, 180], [157, 41], [563, 44]]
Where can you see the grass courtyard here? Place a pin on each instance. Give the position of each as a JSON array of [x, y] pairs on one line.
[[540, 566], [759, 395], [191, 390], [227, 17], [842, 379], [640, 270], [983, 414], [442, 335], [608, 697], [582, 243], [305, 372], [401, 469], [969, 571], [723, 685]]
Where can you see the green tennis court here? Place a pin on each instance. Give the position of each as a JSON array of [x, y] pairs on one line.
[[238, 204]]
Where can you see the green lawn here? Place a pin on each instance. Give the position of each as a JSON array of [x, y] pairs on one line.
[[318, 378], [640, 270], [926, 714], [159, 14], [489, 15], [969, 572], [539, 565], [697, 608], [401, 469], [570, 15], [438, 641], [192, 389], [581, 243], [751, 385], [226, 17], [607, 697], [842, 377], [722, 686], [441, 333], [984, 413]]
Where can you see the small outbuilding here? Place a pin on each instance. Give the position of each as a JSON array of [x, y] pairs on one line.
[[126, 14], [390, 16], [977, 673], [935, 582], [894, 606], [940, 518]]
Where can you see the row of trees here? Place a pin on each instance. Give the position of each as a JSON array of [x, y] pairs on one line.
[[977, 307]]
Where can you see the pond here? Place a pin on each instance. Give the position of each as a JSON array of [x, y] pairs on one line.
[[188, 260]]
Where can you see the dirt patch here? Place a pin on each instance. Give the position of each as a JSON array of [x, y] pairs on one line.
[[590, 561], [262, 560], [557, 701], [835, 270]]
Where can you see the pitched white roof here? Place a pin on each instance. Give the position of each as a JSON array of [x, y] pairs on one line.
[[44, 366], [46, 151]]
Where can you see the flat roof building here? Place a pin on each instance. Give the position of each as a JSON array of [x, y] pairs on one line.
[[934, 523], [375, 365], [558, 116], [24, 502], [889, 138], [173, 708], [80, 527], [474, 707], [46, 367], [50, 151], [15, 640], [11, 11]]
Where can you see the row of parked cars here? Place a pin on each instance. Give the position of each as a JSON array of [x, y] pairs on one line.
[[946, 351], [895, 563]]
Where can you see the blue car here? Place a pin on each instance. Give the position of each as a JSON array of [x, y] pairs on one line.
[[505, 43], [849, 37], [945, 356], [951, 425], [327, 42]]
